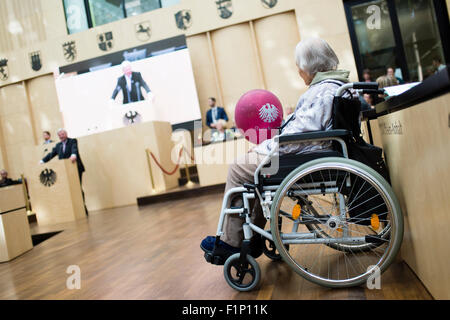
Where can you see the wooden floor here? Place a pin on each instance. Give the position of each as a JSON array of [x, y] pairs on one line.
[[153, 253]]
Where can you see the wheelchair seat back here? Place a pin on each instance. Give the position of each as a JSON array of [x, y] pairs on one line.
[[346, 114]]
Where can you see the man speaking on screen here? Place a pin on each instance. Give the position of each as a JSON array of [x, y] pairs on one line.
[[130, 84]]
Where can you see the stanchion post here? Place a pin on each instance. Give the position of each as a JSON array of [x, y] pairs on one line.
[[25, 194], [147, 152]]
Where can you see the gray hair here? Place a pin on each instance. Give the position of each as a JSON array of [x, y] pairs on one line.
[[61, 130], [314, 55], [125, 63]]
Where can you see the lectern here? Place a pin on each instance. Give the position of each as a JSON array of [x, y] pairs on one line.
[[55, 191], [15, 237]]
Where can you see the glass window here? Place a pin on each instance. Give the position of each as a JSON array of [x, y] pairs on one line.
[[375, 37], [105, 11], [79, 18], [420, 36], [135, 7], [76, 17], [168, 3]]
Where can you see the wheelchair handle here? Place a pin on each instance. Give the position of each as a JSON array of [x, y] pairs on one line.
[[381, 91], [365, 85], [357, 86]]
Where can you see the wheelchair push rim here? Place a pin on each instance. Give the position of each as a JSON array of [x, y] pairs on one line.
[[348, 250]]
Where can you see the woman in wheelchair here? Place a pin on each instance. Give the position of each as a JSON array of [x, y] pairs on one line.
[[346, 208]]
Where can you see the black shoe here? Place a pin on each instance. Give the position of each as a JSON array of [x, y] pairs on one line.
[[217, 254]]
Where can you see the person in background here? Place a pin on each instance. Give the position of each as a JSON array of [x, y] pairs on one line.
[[366, 75], [47, 137], [366, 99], [390, 72], [67, 148], [216, 117], [437, 64], [383, 82], [289, 111], [5, 180], [386, 81]]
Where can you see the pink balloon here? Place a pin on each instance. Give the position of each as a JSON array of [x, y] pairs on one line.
[[258, 114]]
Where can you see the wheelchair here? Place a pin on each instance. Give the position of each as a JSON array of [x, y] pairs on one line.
[[332, 219]]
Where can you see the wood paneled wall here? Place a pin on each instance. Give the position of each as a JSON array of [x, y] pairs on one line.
[[16, 126], [26, 109], [24, 23]]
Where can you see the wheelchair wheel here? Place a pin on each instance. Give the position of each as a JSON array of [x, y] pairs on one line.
[[345, 205], [242, 277]]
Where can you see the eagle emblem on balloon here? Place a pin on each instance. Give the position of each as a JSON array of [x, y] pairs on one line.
[[268, 113]]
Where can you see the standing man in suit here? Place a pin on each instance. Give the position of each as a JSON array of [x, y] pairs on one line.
[[130, 84], [216, 117], [67, 148]]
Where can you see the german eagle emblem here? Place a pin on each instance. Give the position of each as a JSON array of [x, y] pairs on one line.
[[47, 177], [131, 117], [268, 113]]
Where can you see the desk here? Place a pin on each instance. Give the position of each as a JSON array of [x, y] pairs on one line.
[[415, 133], [15, 237]]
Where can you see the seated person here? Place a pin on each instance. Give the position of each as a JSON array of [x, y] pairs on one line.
[[391, 73], [216, 117], [383, 82], [317, 65], [5, 181], [437, 64], [370, 100], [47, 137]]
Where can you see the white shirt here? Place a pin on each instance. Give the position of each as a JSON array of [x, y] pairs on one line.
[[214, 113], [128, 79]]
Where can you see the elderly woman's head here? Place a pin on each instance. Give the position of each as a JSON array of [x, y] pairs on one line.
[[314, 55]]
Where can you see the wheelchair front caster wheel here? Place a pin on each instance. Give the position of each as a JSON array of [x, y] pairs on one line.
[[242, 276], [270, 250]]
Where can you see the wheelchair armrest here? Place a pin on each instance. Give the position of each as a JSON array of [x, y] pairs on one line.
[[315, 135]]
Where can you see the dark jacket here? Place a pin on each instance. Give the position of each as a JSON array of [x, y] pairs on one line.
[[71, 148], [136, 84], [221, 114], [8, 182]]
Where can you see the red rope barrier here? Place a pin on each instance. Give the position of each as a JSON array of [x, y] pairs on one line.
[[165, 171], [178, 161]]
